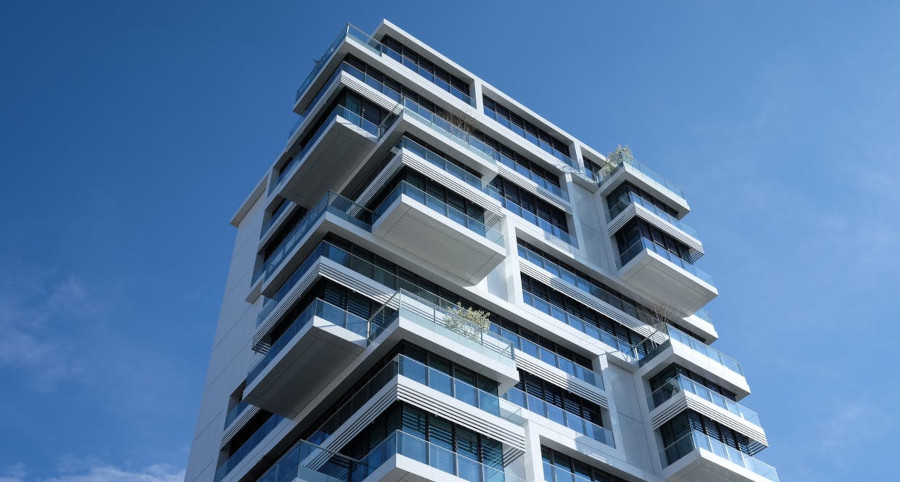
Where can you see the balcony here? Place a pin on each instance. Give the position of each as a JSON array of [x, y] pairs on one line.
[[400, 456], [659, 274], [367, 42], [331, 203], [333, 150], [633, 205], [562, 417], [309, 462], [238, 455], [552, 234], [403, 371], [681, 393], [458, 174], [645, 178], [550, 358], [438, 326], [403, 456], [699, 458], [435, 231], [675, 346], [314, 348]]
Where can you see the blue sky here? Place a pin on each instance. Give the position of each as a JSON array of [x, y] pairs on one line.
[[130, 132]]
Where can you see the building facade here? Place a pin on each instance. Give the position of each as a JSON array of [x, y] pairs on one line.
[[432, 282]]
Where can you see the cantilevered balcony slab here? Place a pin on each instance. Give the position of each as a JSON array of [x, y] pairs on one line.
[[469, 252], [692, 354], [698, 458], [644, 178], [654, 274], [306, 363], [681, 393], [325, 162]]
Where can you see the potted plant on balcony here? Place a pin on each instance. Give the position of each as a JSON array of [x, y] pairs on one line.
[[615, 158], [468, 322]]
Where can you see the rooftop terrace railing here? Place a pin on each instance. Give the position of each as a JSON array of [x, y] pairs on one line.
[[350, 31]]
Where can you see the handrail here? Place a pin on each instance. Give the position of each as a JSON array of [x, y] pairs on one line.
[[542, 223], [632, 198], [644, 244], [441, 207], [332, 203], [443, 317], [549, 357], [637, 166], [449, 461], [695, 440], [380, 49], [421, 373], [561, 416], [677, 384], [322, 309]]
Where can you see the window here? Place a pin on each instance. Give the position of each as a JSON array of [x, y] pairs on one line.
[[526, 129], [426, 68]]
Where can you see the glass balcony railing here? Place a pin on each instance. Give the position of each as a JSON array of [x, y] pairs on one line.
[[560, 416], [307, 461], [635, 166], [338, 111], [235, 411], [275, 216], [238, 455], [455, 388], [441, 162], [696, 345], [443, 459], [628, 351], [644, 244], [332, 203], [580, 282], [703, 315], [322, 309], [544, 145], [632, 198], [700, 441], [540, 181], [442, 208], [447, 129], [444, 318], [683, 383], [378, 48], [553, 359], [421, 373], [542, 223]]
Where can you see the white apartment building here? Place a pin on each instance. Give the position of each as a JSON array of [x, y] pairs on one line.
[[433, 282]]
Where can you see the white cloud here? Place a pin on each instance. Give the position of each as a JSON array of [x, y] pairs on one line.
[[111, 473], [101, 473], [32, 306]]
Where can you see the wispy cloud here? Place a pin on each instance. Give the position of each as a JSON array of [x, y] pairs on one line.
[[32, 306], [101, 473]]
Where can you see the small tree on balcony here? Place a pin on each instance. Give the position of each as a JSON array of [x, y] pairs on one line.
[[468, 322], [615, 158]]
